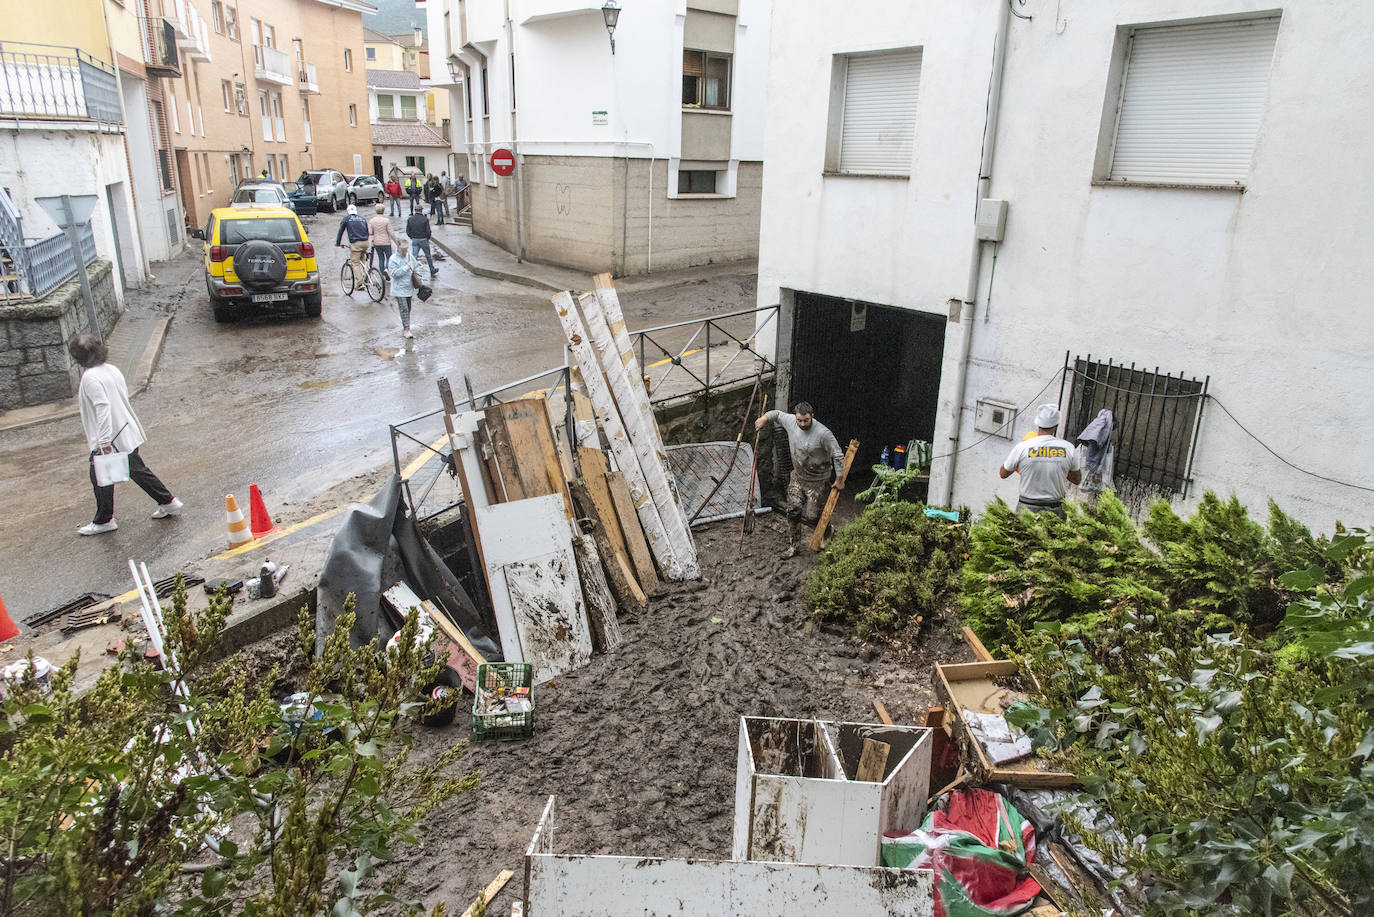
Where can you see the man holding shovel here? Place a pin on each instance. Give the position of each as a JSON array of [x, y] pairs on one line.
[[816, 456]]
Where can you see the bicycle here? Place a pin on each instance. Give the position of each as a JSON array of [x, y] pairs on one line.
[[373, 281]]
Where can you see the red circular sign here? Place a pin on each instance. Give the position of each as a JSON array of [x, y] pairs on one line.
[[503, 162]]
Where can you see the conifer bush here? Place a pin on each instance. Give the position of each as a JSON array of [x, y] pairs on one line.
[[886, 568]]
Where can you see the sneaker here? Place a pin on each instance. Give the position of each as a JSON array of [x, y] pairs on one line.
[[168, 509], [407, 333], [97, 528]]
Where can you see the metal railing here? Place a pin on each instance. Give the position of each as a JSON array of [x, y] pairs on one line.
[[56, 82], [427, 430], [306, 78], [273, 65], [41, 265]]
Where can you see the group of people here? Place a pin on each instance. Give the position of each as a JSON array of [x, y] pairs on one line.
[[434, 190], [397, 256]]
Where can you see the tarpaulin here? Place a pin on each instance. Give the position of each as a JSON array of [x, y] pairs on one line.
[[979, 848], [377, 546]]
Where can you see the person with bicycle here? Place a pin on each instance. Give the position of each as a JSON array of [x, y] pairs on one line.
[[356, 227], [403, 270], [379, 234]]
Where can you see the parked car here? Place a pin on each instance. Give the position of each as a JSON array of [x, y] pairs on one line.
[[365, 189], [258, 258], [261, 192], [302, 198], [331, 188]]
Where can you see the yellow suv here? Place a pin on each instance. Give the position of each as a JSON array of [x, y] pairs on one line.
[[258, 258]]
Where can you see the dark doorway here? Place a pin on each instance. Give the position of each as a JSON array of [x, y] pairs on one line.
[[377, 168], [871, 372]]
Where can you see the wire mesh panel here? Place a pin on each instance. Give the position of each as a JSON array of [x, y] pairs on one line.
[[701, 468]]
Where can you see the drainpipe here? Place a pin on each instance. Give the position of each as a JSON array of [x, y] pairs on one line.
[[999, 53], [514, 134]]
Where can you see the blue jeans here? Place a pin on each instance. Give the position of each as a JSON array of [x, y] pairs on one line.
[[383, 255], [422, 245], [395, 206], [414, 200]]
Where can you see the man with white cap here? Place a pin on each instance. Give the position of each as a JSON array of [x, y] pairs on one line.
[[1048, 465]]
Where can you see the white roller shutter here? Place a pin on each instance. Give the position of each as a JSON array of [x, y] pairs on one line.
[[1192, 99], [878, 130]]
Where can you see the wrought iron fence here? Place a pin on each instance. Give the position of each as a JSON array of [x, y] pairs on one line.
[[40, 266], [679, 343], [50, 81]]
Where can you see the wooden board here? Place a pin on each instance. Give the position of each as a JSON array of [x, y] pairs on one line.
[[632, 534], [597, 593], [550, 617], [616, 565], [980, 652], [491, 891], [873, 761], [818, 536], [595, 471], [463, 658], [526, 453], [883, 715]]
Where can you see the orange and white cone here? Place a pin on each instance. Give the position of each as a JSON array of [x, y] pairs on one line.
[[238, 526], [7, 627]]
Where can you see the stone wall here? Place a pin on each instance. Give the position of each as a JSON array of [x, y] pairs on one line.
[[34, 365]]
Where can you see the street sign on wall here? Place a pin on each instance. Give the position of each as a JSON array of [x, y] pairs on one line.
[[502, 162]]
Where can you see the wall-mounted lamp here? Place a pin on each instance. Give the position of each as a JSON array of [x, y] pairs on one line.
[[610, 11], [455, 68]]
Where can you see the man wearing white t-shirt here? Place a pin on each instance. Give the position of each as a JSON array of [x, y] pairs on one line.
[[1048, 465]]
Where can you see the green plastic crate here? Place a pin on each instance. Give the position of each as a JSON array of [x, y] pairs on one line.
[[497, 679]]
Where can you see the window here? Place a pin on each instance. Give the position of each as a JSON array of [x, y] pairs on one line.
[[696, 181], [176, 119], [706, 80], [271, 173], [217, 16], [241, 99], [255, 35], [209, 178], [370, 53], [408, 107], [226, 89], [264, 109], [269, 36], [1190, 103], [386, 106], [231, 22], [285, 169], [416, 161], [872, 127], [163, 144], [348, 61], [278, 122], [1155, 428], [486, 100], [352, 115], [282, 231], [305, 118]]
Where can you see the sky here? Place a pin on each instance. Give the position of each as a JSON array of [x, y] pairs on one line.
[[394, 16]]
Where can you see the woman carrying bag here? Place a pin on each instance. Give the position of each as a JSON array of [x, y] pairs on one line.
[[405, 282], [112, 427]]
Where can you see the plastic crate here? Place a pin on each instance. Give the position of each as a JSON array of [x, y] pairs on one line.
[[497, 680]]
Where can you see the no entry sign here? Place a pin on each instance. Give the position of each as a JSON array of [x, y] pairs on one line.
[[503, 162]]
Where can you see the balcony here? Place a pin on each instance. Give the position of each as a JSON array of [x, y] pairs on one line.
[[305, 78], [160, 48], [272, 66], [50, 82], [194, 34], [174, 11]]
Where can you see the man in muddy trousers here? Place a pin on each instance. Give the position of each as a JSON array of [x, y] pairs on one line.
[[816, 458]]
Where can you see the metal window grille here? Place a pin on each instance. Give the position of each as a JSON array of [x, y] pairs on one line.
[[1157, 420]]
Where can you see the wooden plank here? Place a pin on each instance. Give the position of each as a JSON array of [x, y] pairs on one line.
[[523, 436], [818, 537], [550, 615], [469, 501], [491, 891], [935, 717], [881, 710], [597, 594], [980, 652], [633, 535], [503, 457], [872, 761], [594, 473], [617, 568], [463, 658], [446, 396]]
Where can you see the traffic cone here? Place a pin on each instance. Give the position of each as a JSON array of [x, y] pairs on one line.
[[7, 627], [257, 511], [238, 526]]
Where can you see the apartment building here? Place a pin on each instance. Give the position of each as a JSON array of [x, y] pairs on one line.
[[635, 154], [278, 86], [972, 209], [408, 51]]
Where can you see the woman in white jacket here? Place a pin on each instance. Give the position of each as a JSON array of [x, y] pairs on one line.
[[402, 268], [112, 426]]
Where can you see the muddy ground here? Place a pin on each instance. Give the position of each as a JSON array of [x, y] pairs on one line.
[[640, 745]]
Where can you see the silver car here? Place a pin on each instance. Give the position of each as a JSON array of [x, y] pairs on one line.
[[365, 189], [331, 188], [260, 192]]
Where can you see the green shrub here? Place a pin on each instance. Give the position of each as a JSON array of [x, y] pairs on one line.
[[887, 567]]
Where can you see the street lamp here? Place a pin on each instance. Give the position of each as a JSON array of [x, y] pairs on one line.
[[455, 67], [610, 11]]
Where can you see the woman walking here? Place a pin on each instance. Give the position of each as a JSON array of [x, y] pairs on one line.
[[379, 234], [112, 426], [402, 270]]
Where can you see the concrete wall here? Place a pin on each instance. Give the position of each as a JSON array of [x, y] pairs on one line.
[[1257, 290], [34, 365], [149, 201]]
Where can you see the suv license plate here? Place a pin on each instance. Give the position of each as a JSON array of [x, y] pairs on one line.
[[269, 297]]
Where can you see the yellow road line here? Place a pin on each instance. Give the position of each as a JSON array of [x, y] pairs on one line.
[[234, 552], [423, 459]]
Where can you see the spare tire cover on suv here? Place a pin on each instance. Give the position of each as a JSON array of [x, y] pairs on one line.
[[260, 264]]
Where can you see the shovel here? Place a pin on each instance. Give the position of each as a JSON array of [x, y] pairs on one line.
[[753, 476]]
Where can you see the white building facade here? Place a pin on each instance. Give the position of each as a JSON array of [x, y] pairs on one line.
[[400, 136], [645, 159], [973, 209]]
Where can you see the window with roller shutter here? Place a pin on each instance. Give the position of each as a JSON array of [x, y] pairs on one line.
[[873, 100]]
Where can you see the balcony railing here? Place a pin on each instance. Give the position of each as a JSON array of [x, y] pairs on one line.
[[305, 77], [160, 48], [54, 82], [272, 65], [33, 268]]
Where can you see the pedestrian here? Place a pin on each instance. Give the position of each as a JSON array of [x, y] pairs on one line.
[[816, 456], [358, 232], [379, 234], [413, 190], [393, 193], [403, 287], [263, 175], [1048, 465], [417, 230], [434, 194], [111, 426]]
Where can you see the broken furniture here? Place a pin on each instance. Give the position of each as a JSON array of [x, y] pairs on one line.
[[812, 791]]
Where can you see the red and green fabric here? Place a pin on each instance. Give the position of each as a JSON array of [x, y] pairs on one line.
[[979, 848]]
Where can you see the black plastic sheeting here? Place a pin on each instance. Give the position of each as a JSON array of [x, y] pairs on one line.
[[377, 546]]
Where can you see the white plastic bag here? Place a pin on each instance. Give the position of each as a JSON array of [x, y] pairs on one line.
[[111, 467]]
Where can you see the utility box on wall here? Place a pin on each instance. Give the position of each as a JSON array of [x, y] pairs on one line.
[[991, 220], [797, 799], [995, 417]]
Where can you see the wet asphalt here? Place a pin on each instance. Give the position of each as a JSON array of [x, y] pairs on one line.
[[292, 404]]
